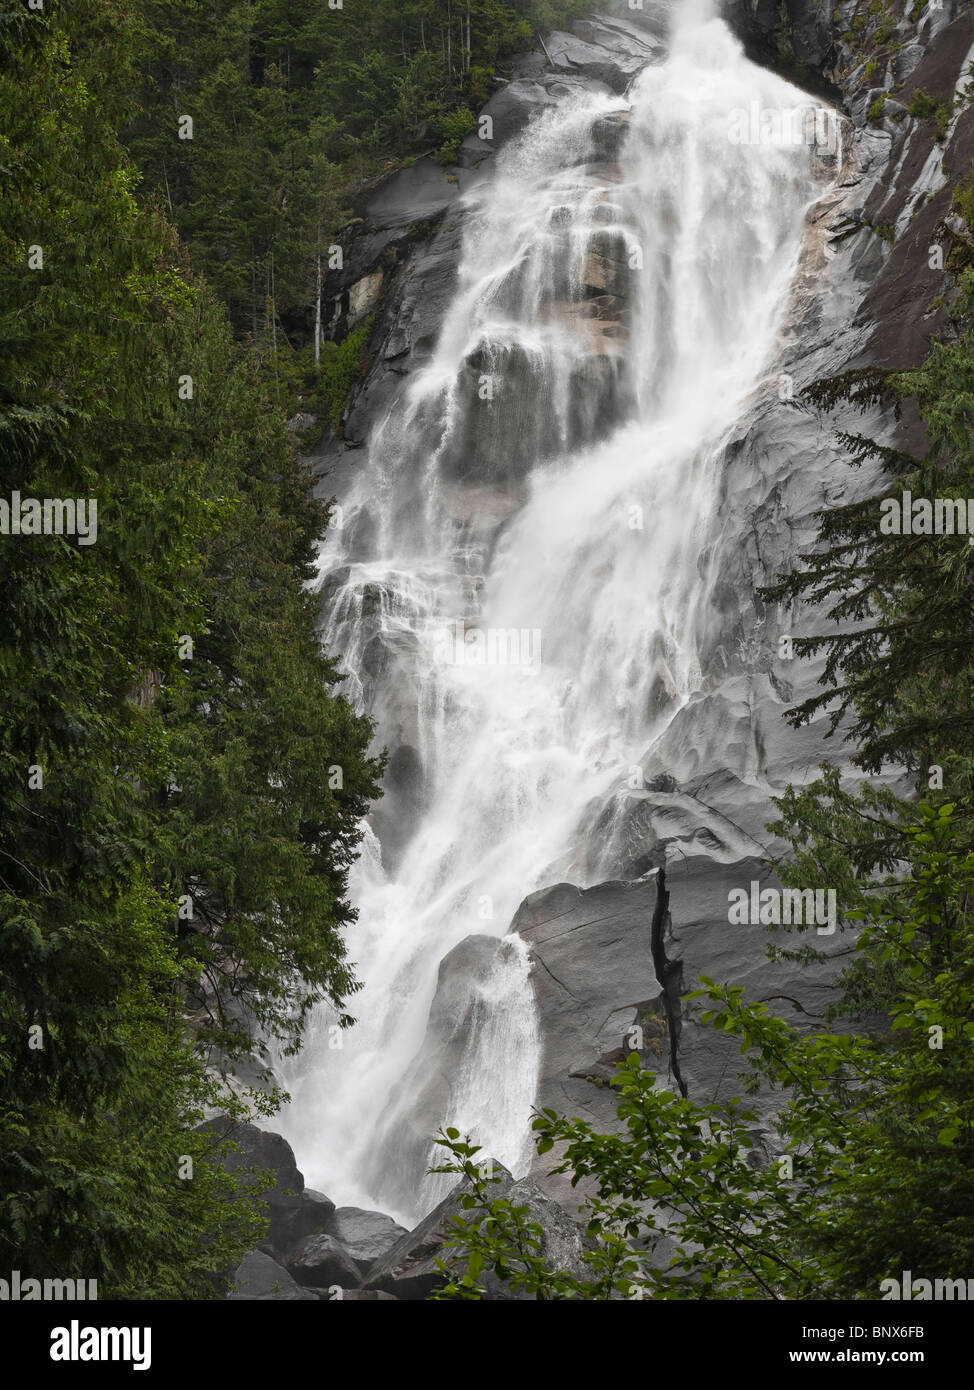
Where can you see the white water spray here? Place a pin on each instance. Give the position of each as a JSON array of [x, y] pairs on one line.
[[518, 592]]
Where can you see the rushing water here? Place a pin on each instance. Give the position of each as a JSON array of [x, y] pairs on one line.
[[518, 592]]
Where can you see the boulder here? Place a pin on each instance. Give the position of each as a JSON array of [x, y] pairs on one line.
[[561, 1236], [260, 1279], [311, 1217], [259, 1151], [365, 1235], [409, 1269], [322, 1260]]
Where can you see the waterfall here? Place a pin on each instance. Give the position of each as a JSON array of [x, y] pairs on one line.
[[520, 589]]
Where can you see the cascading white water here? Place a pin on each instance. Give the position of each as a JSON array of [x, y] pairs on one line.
[[517, 591]]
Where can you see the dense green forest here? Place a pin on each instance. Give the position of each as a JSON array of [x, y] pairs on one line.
[[296, 106], [181, 786]]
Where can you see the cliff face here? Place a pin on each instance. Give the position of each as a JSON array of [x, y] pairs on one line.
[[896, 70], [899, 69], [873, 285]]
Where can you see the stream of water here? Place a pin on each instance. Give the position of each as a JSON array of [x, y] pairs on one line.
[[517, 591]]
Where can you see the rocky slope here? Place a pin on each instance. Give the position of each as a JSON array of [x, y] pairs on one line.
[[872, 288], [315, 1252]]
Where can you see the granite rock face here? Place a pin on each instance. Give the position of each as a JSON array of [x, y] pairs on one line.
[[322, 1261], [863, 295], [593, 978], [409, 1270], [260, 1279], [364, 1235], [402, 262], [866, 292]]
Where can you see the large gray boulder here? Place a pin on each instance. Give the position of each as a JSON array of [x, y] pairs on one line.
[[311, 1217], [409, 1269], [260, 1279], [322, 1261], [562, 1246], [257, 1152], [365, 1235]]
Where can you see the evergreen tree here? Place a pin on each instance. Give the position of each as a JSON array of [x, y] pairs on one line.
[[168, 718]]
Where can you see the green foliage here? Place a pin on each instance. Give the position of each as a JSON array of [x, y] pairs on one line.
[[297, 107], [870, 1172], [165, 776], [100, 1188], [875, 112], [962, 200], [342, 366], [454, 128], [922, 104], [897, 658]]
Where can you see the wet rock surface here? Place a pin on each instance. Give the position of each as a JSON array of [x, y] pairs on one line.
[[312, 1249], [410, 1271], [365, 1235], [260, 1279], [864, 294], [322, 1261]]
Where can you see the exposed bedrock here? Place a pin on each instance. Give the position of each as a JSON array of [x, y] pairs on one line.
[[868, 290], [603, 992], [409, 1269], [350, 1254]]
